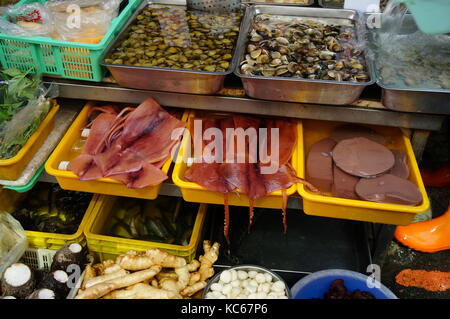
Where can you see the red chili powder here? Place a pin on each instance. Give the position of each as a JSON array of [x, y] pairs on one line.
[[429, 280]]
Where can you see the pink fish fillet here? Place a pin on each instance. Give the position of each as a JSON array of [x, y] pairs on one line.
[[146, 138], [99, 128]]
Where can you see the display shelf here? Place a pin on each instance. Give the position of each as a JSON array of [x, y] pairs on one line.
[[364, 111], [367, 110]]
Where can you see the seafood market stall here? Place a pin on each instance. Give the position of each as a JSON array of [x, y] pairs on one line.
[[310, 69]]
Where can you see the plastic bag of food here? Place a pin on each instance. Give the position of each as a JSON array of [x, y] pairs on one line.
[[32, 19], [81, 20], [13, 241], [63, 5], [16, 132]]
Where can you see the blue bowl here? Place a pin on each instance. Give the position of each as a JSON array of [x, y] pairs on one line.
[[315, 285]]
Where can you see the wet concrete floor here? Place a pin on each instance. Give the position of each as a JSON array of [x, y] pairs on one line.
[[400, 257]]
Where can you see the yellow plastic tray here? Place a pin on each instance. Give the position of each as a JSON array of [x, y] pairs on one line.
[[109, 247], [44, 240], [107, 186], [192, 192], [328, 206], [12, 168]]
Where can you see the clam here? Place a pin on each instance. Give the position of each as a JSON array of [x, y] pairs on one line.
[[282, 41], [247, 69], [268, 71], [310, 70], [335, 47], [339, 65], [251, 47], [256, 38], [275, 62], [284, 49], [255, 53], [357, 66], [292, 67], [362, 77], [326, 55], [303, 49], [284, 59], [263, 58], [275, 55], [281, 70]]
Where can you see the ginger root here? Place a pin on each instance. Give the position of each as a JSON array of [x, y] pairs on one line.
[[149, 258], [101, 289], [111, 269], [150, 274], [100, 268], [166, 274], [183, 282], [191, 290], [99, 279], [142, 291], [208, 259], [89, 273]]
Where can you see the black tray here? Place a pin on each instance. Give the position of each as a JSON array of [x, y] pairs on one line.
[[311, 244]]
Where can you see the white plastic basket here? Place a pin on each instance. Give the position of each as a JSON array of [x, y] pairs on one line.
[[38, 258]]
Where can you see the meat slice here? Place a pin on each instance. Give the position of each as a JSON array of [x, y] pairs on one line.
[[401, 168], [243, 170], [146, 176], [124, 145], [319, 164], [344, 184], [98, 130], [144, 119], [146, 137], [243, 173], [362, 157], [287, 141], [347, 131], [389, 188], [207, 175]]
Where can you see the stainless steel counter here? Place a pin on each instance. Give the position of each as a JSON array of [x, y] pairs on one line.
[[362, 111]]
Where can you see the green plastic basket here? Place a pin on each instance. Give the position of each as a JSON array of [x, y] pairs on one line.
[[31, 183], [70, 60]]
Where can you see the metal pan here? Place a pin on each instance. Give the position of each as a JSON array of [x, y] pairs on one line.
[[164, 79], [298, 89], [403, 99], [416, 100]]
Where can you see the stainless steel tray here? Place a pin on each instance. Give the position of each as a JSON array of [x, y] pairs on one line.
[[298, 89], [164, 79], [418, 100]]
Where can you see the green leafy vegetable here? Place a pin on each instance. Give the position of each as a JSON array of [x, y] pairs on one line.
[[17, 89], [21, 109]]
